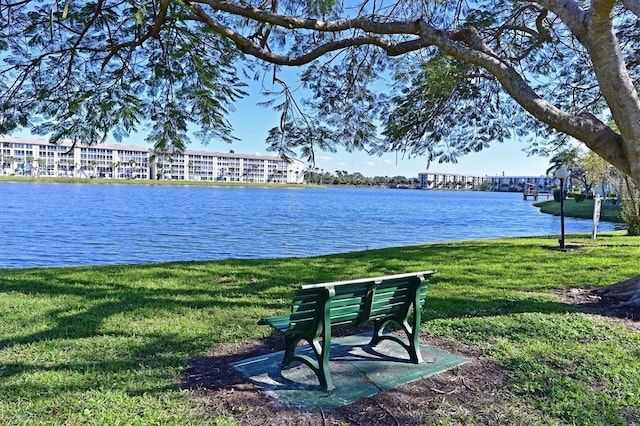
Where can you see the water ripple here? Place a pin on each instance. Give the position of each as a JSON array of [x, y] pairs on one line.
[[50, 224]]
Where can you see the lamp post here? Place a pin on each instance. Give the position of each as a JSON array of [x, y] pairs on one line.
[[562, 174]]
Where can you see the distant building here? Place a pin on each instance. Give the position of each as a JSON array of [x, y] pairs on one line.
[[33, 157], [431, 180]]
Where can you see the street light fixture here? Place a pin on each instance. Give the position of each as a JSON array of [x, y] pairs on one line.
[[562, 174]]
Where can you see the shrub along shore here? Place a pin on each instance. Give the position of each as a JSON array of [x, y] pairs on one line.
[[109, 344]]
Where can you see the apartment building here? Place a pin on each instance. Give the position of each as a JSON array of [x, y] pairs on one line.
[[34, 157], [431, 180]]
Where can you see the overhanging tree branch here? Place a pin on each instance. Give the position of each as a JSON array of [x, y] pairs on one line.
[[247, 46], [465, 45], [508, 42], [585, 127], [633, 6]]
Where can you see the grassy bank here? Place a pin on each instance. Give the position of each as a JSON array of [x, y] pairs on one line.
[[47, 179], [108, 345], [583, 209]]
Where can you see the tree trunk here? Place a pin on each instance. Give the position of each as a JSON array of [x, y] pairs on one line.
[[626, 293]]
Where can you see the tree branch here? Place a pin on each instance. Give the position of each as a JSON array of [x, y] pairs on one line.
[[81, 36], [570, 13], [247, 46], [633, 6], [159, 19], [585, 127], [293, 22], [613, 78]]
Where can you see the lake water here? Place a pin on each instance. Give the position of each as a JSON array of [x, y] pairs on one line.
[[51, 224]]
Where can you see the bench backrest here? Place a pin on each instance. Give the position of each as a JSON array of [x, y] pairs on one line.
[[357, 301]]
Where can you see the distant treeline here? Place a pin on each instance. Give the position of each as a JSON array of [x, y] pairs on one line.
[[342, 177]]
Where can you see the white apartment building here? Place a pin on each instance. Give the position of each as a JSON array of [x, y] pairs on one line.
[[431, 180], [34, 157]]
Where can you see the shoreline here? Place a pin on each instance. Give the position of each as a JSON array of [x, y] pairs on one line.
[[581, 210], [101, 181]]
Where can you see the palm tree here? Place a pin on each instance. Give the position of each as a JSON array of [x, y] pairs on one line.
[[566, 158], [114, 167], [190, 168], [8, 162], [82, 169], [4, 160], [132, 165], [40, 164], [29, 160]]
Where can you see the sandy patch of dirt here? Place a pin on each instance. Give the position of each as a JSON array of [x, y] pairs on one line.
[[227, 392], [586, 299]]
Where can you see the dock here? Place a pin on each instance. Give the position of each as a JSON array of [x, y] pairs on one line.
[[533, 192]]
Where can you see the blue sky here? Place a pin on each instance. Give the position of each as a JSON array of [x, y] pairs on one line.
[[251, 124]]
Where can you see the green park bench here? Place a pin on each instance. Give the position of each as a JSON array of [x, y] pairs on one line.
[[395, 299]]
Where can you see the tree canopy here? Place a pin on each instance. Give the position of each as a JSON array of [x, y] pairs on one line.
[[441, 78]]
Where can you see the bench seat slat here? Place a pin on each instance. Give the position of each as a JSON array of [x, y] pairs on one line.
[[280, 323]]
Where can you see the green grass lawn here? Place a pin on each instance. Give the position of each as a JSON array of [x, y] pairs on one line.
[[582, 209], [108, 345]]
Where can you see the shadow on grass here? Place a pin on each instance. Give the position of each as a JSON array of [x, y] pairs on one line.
[[104, 292], [96, 371], [92, 305], [110, 322], [451, 307], [229, 297]]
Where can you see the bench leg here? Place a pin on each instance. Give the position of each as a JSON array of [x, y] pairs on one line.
[[319, 363], [319, 339], [290, 344], [411, 342], [323, 350]]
